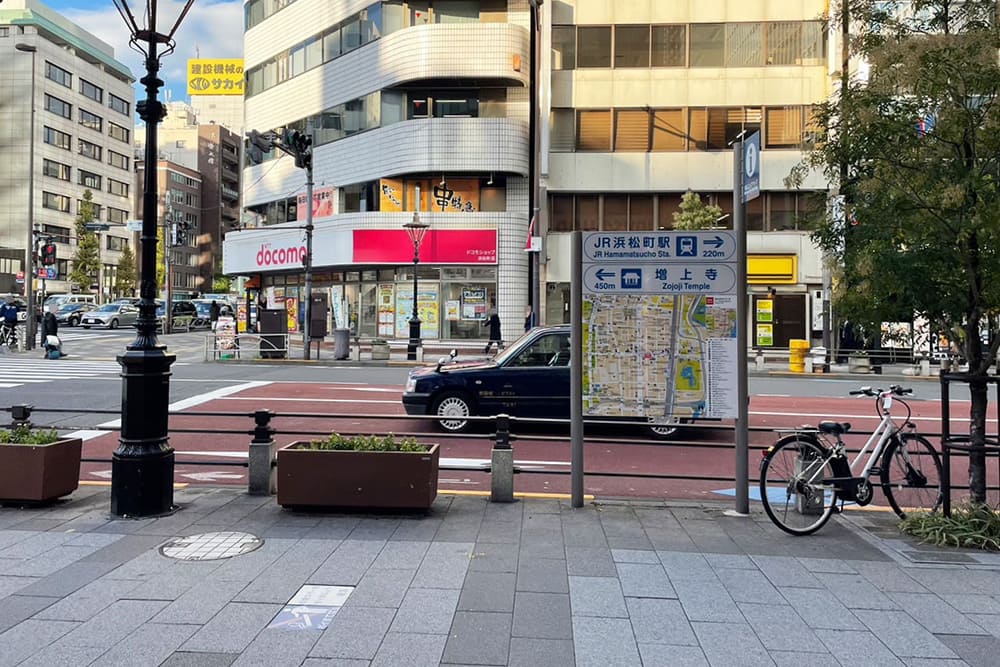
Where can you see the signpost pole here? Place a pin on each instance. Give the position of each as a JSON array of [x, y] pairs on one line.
[[743, 397], [576, 372]]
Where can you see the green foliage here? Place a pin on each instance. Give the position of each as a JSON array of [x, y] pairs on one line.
[[696, 214], [972, 525], [367, 443], [221, 284], [125, 276], [25, 435], [161, 269], [86, 261]]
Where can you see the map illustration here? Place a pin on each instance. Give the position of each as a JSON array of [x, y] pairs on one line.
[[663, 356]]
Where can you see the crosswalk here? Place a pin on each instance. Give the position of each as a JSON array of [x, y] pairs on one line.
[[17, 371]]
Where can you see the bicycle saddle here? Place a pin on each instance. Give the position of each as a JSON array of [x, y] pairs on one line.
[[834, 428]]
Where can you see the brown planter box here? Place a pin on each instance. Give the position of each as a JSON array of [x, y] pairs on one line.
[[39, 472], [400, 480]]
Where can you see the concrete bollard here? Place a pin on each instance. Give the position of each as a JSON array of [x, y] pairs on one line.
[[925, 366], [502, 464], [759, 361], [260, 460]]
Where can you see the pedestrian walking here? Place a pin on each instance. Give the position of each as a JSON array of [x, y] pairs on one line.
[[493, 322], [213, 314], [50, 334]]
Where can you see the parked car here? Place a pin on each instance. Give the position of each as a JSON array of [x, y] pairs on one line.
[[531, 378], [110, 315], [60, 299], [70, 314], [204, 308], [181, 313]]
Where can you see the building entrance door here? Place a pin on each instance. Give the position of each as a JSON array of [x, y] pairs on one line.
[[789, 318]]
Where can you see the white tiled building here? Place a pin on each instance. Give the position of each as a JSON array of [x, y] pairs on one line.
[[82, 138]]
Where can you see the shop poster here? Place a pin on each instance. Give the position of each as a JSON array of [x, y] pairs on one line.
[[474, 303], [386, 312], [452, 310], [427, 309], [292, 308]]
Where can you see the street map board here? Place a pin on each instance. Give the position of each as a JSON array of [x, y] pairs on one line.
[[660, 325]]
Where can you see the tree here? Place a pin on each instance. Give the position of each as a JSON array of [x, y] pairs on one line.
[[125, 276], [696, 214], [86, 260], [915, 150]]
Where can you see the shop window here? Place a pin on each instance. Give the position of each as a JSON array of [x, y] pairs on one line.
[[563, 47], [393, 16], [561, 213], [669, 46], [587, 213], [668, 130], [632, 130], [593, 46], [492, 200], [667, 205], [593, 130], [493, 103], [781, 214], [640, 213], [708, 44], [456, 11], [632, 46], [615, 213], [744, 45]]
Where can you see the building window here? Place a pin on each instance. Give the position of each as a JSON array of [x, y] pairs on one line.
[[58, 234], [117, 215], [90, 180], [87, 149], [89, 120], [95, 208], [119, 188], [783, 127], [58, 107], [593, 46], [615, 213], [744, 45], [669, 133], [593, 130], [58, 74], [632, 130], [632, 46], [563, 47], [669, 46], [562, 130], [640, 213], [784, 43], [118, 132], [56, 170], [708, 44], [87, 89], [561, 213], [55, 202], [118, 104], [57, 138], [118, 160], [588, 209], [116, 243]]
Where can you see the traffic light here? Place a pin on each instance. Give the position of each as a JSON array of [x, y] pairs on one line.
[[300, 144], [257, 146], [48, 253]]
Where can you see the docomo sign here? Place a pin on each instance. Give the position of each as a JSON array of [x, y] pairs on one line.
[[293, 256]]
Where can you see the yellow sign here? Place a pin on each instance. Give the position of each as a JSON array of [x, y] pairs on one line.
[[214, 76], [460, 195], [765, 310], [765, 335], [772, 269]]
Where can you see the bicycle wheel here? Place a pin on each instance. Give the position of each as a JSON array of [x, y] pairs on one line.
[[911, 475], [792, 487]]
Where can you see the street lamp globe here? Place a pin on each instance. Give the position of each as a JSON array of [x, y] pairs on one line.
[[415, 230]]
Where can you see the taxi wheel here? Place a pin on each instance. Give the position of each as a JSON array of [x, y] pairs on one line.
[[453, 405]]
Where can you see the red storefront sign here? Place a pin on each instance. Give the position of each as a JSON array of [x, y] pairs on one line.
[[440, 246]]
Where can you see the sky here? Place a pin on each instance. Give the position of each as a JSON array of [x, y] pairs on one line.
[[211, 29]]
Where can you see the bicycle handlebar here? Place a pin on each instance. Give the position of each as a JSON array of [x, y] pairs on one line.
[[894, 389]]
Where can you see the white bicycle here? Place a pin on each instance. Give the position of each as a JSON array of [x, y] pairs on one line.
[[805, 473]]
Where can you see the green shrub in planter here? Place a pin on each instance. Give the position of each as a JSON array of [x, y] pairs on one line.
[[25, 435], [367, 443], [37, 465]]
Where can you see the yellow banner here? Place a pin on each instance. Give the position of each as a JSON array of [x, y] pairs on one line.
[[460, 195], [215, 76]]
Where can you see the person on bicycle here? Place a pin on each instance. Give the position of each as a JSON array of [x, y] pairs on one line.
[[8, 314]]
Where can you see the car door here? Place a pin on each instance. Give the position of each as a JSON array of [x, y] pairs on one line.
[[534, 382], [129, 315]]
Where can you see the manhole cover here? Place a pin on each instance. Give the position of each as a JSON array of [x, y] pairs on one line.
[[211, 546]]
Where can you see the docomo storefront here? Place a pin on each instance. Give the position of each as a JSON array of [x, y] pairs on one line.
[[366, 277]]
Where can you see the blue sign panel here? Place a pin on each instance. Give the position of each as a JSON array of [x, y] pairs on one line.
[[751, 168]]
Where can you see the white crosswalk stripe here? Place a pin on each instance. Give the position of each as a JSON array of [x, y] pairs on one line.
[[17, 371]]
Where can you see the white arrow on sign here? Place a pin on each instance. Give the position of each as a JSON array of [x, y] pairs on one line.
[[210, 476]]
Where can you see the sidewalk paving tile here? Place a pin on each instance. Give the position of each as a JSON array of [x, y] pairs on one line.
[[973, 650], [412, 650], [973, 604], [542, 616], [597, 596], [658, 621], [89, 600], [589, 562], [200, 604], [426, 610], [707, 601], [114, 623], [199, 659], [731, 562], [346, 565], [644, 580], [444, 566], [61, 654], [889, 577], [749, 586], [17, 608], [499, 532], [779, 627], [904, 636], [599, 642], [478, 638], [936, 615], [149, 644], [731, 644], [821, 609], [355, 632], [666, 655], [492, 557], [10, 584], [854, 647], [785, 571], [686, 566], [232, 629], [30, 637], [488, 591], [532, 652], [542, 575], [286, 574], [401, 555], [856, 593], [634, 556], [380, 588], [798, 659], [278, 647]]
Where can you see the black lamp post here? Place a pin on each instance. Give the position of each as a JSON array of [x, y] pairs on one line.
[[142, 468], [415, 230]]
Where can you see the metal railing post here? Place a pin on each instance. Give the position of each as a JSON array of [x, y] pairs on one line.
[[502, 468], [260, 461]]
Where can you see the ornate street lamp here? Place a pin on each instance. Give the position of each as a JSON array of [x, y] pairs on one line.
[[416, 231], [142, 468]]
